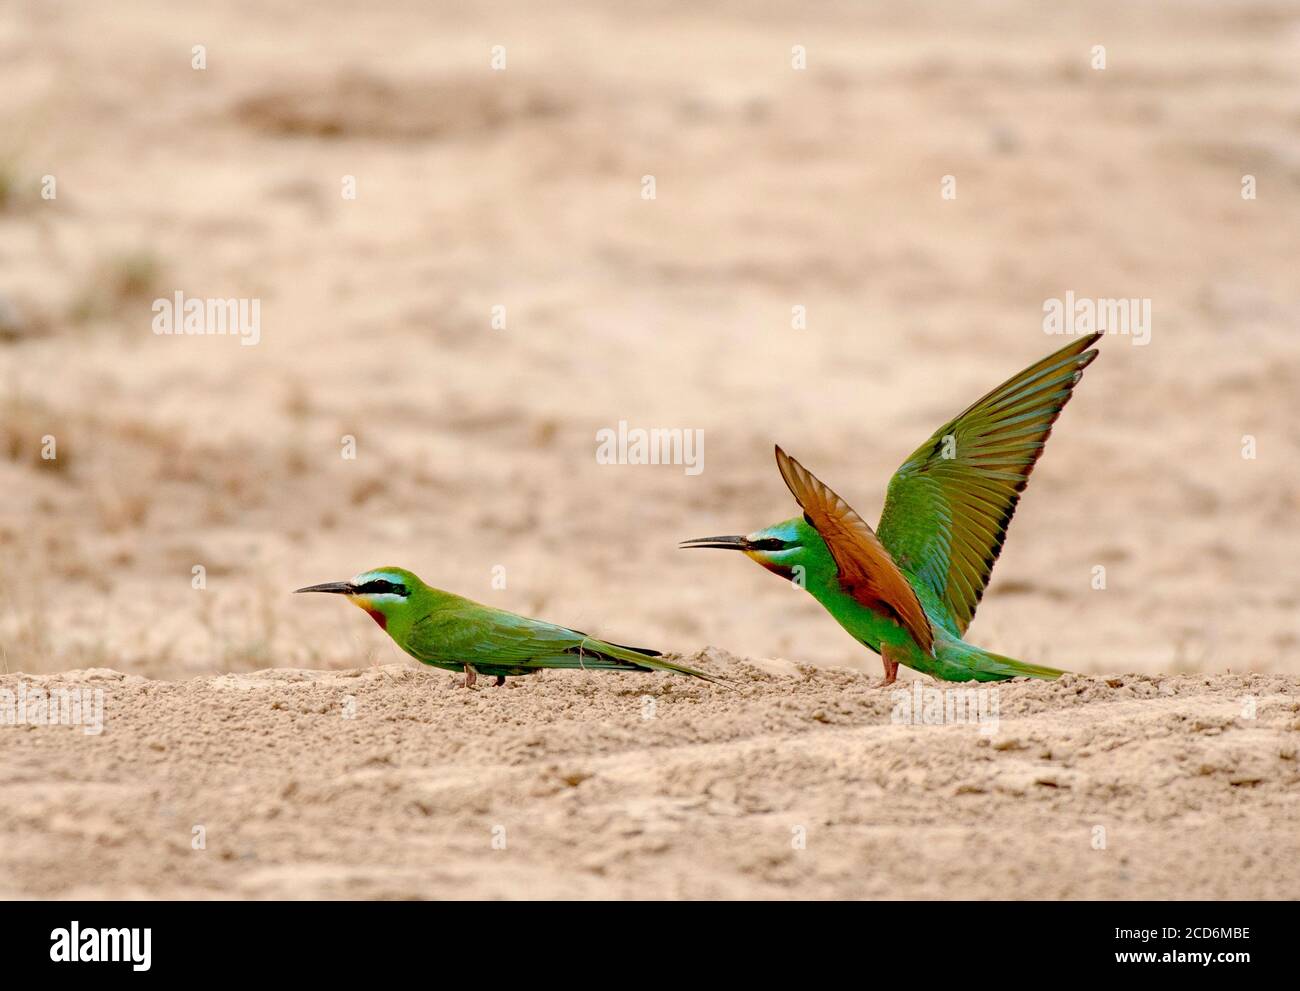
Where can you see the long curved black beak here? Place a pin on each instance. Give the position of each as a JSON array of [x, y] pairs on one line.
[[722, 543], [339, 588]]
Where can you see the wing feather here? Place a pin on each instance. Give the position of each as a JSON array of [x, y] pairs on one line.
[[866, 570], [945, 518], [488, 639]]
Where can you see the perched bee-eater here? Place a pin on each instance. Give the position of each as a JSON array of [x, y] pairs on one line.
[[447, 631], [909, 589]]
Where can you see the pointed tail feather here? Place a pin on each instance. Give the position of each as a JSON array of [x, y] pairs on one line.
[[997, 666], [639, 657], [964, 661], [659, 664]]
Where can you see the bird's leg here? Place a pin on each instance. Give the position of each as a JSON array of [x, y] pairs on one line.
[[470, 676], [501, 680], [891, 665]]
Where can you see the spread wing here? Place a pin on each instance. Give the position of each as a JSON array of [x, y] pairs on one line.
[[948, 507], [866, 570]]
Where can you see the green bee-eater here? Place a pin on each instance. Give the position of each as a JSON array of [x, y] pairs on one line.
[[909, 589], [447, 631]]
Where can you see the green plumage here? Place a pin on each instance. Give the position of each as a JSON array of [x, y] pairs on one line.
[[449, 631], [457, 634], [909, 589], [948, 505]]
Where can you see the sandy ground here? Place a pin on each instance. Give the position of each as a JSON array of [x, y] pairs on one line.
[[483, 193], [395, 783]]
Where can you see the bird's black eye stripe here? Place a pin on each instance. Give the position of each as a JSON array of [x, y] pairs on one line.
[[379, 586], [768, 544]]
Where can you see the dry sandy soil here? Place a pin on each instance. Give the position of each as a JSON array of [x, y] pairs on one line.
[[395, 783], [475, 446]]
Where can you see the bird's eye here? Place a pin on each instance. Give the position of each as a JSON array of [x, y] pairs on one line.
[[382, 586], [768, 544]]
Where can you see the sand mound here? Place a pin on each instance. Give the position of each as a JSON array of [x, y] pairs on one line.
[[393, 782]]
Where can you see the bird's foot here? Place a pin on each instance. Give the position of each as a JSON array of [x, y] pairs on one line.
[[501, 680], [891, 668], [471, 676]]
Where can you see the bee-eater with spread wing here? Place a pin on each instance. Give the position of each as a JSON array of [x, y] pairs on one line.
[[450, 632], [909, 589]]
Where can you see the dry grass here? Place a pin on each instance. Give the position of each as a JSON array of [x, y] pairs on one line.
[[18, 190], [116, 284], [35, 435]]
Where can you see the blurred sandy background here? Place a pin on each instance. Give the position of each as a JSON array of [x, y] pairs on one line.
[[522, 188]]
